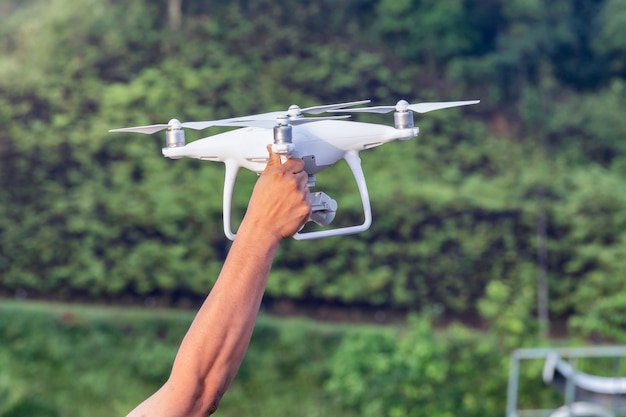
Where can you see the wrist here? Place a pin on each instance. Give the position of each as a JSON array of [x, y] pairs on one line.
[[259, 232]]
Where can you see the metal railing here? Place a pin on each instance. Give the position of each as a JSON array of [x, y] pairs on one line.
[[572, 355]]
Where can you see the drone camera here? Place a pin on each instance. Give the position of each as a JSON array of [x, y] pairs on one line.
[[323, 209]]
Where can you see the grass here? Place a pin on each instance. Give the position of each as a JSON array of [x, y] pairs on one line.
[[77, 360]]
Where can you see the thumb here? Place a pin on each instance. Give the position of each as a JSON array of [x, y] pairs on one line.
[[274, 159]]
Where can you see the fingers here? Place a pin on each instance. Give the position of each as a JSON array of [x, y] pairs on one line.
[[293, 165]]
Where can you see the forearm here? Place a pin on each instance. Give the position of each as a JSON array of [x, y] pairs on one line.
[[224, 324], [216, 342]]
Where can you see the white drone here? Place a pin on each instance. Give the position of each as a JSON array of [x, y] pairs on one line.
[[319, 141]]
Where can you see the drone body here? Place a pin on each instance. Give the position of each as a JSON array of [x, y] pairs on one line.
[[319, 141], [319, 144]]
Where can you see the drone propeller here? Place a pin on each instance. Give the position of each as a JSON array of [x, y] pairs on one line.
[[295, 115], [281, 121], [148, 130], [328, 107], [266, 120], [175, 124], [402, 105]]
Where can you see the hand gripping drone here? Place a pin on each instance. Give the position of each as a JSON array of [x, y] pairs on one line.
[[319, 141]]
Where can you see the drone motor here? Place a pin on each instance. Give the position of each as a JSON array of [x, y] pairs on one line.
[[175, 135], [403, 117], [283, 137]]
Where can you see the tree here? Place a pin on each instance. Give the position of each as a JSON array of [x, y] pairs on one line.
[[175, 14]]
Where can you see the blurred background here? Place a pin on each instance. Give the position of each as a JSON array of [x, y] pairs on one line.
[[501, 226]]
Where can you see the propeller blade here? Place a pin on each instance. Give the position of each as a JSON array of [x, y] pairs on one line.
[[210, 123], [324, 108], [235, 121], [375, 109], [174, 124], [262, 123], [148, 130], [418, 108], [426, 107], [309, 110], [270, 123], [296, 122]]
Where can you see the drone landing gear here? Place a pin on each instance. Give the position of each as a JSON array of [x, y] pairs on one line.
[[323, 208], [354, 162]]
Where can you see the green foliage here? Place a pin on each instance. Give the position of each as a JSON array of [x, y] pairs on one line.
[[31, 407], [418, 373], [62, 361], [595, 124], [604, 319], [610, 41], [85, 213], [594, 218], [507, 312]]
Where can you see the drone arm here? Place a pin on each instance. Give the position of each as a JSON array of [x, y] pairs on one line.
[[354, 162], [230, 176]]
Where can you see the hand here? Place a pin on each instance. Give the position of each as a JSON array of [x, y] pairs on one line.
[[280, 202]]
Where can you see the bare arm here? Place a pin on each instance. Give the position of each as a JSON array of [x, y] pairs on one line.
[[218, 338]]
